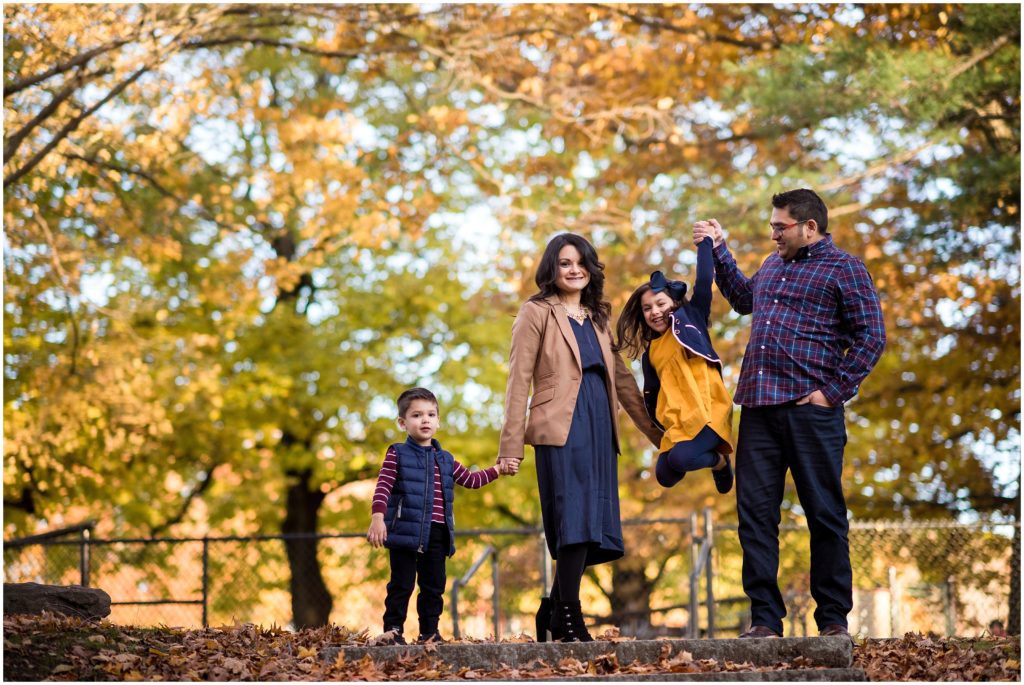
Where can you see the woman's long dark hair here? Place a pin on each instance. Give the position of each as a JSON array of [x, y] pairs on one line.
[[591, 297], [632, 332]]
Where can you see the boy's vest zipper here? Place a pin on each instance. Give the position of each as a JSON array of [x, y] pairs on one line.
[[428, 498]]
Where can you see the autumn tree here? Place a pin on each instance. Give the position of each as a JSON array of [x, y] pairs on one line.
[[228, 264], [235, 233]]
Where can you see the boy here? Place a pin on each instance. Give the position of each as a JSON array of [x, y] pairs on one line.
[[412, 514]]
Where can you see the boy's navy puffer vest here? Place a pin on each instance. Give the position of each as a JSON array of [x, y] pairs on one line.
[[412, 498]]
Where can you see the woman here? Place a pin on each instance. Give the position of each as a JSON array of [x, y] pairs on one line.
[[561, 344]]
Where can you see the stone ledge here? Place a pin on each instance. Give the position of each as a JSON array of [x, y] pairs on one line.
[[801, 675], [828, 652]]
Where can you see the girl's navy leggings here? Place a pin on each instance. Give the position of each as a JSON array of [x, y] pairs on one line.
[[689, 455]]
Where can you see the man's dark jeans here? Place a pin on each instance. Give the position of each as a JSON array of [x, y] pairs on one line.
[[807, 440], [408, 566]]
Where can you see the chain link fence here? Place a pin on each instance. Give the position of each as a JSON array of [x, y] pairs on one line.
[[929, 576]]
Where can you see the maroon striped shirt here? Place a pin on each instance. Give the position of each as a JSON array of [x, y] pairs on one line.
[[462, 476]]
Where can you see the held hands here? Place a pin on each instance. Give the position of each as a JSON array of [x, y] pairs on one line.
[[378, 532], [817, 397], [708, 229], [508, 466]]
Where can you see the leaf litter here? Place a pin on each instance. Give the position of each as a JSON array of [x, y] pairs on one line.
[[247, 652]]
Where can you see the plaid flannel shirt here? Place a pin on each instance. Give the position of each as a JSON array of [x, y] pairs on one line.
[[817, 324]]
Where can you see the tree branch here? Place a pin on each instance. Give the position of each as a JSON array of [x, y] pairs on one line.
[[132, 171], [71, 126], [981, 56], [26, 502], [661, 24], [905, 156], [12, 144], [77, 61], [592, 574], [156, 530], [65, 287], [506, 511], [278, 43], [150, 179]]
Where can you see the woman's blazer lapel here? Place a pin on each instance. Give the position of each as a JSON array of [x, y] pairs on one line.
[[564, 327]]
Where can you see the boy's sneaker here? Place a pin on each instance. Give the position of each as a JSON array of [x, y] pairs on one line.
[[392, 636], [723, 476], [428, 638]]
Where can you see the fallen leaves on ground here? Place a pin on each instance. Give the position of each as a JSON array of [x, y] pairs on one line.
[[927, 657], [931, 658], [51, 647]]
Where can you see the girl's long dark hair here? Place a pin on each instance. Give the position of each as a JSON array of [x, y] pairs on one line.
[[592, 295], [632, 332]]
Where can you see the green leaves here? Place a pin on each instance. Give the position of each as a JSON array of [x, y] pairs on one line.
[[230, 271]]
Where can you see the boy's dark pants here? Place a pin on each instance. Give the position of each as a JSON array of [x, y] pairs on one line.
[[429, 567], [807, 440]]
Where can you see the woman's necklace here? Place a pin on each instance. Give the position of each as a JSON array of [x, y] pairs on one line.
[[578, 314]]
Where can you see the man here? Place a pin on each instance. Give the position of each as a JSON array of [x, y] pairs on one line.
[[817, 331]]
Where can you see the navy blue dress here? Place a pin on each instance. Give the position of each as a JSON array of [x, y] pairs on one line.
[[579, 482]]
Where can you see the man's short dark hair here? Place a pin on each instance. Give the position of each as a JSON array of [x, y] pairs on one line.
[[406, 398], [803, 205]]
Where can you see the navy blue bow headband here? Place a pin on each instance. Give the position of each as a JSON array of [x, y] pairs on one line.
[[675, 289]]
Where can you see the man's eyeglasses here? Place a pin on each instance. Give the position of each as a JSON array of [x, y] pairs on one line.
[[779, 228]]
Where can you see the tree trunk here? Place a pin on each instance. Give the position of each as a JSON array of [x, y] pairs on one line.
[[631, 597], [1013, 615], [311, 601]]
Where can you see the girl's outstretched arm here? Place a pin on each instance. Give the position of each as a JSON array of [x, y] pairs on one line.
[[705, 275]]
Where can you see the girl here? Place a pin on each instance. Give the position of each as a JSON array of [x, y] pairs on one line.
[[561, 345], [683, 387]]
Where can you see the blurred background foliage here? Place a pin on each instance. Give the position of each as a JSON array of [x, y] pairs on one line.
[[234, 233]]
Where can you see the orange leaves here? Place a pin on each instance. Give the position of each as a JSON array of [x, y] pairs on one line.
[[446, 119], [532, 86], [248, 652], [921, 657]]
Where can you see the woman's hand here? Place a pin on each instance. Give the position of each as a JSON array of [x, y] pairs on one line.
[[508, 466]]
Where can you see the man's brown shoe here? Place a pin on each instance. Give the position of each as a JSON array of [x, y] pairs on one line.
[[760, 631], [834, 629]]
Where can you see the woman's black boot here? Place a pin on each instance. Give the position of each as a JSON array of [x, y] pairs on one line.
[[567, 623], [543, 619]]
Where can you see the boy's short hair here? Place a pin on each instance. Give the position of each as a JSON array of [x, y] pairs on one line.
[[406, 398]]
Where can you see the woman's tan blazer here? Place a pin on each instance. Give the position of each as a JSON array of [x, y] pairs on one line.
[[545, 355]]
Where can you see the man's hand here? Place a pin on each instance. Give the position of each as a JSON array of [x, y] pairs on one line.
[[817, 397], [708, 229], [378, 532]]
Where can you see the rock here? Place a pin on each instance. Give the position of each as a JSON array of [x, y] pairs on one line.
[[70, 600]]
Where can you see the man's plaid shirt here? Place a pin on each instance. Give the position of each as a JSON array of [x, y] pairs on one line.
[[817, 324]]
